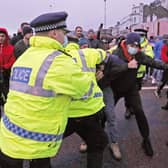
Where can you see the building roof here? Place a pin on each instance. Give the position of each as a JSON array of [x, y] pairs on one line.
[[150, 10]]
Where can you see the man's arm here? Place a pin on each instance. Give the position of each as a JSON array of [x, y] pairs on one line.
[[146, 60], [115, 66]]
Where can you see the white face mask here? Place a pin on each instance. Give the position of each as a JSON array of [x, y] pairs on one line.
[[132, 50], [142, 39], [65, 41]]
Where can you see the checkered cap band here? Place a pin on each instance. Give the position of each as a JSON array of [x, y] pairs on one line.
[[30, 134], [48, 27], [140, 32]]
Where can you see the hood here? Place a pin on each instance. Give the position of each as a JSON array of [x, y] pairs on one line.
[[3, 30]]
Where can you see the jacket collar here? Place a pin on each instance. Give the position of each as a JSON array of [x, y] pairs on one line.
[[125, 51], [45, 42]]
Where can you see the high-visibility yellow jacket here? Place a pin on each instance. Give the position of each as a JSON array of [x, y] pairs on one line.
[[146, 47], [87, 59], [43, 82]]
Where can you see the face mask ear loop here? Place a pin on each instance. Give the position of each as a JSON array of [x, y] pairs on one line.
[[65, 41]]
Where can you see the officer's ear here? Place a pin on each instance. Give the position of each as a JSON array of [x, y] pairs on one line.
[[53, 34]]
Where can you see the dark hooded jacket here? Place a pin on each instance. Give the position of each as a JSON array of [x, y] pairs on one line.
[[114, 67]]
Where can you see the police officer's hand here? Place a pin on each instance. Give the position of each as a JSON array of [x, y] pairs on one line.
[[99, 75], [133, 64]]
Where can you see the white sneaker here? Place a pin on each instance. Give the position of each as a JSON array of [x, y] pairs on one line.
[[153, 81], [157, 94], [114, 147]]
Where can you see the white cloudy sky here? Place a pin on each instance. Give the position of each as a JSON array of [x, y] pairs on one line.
[[87, 13]]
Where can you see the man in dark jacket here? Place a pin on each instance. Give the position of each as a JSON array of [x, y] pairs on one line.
[[93, 41], [22, 45], [125, 85], [19, 35]]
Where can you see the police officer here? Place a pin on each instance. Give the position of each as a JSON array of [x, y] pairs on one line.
[[147, 48], [43, 82], [84, 114]]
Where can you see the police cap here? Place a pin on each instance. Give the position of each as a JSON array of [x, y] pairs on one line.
[[141, 31], [49, 21]]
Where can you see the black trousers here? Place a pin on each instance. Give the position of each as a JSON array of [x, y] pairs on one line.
[[138, 87], [164, 80], [8, 162], [4, 86], [133, 98], [91, 131]]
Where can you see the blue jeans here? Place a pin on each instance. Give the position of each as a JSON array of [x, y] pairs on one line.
[[110, 115]]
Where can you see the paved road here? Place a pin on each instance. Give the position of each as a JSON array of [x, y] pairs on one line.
[[130, 142]]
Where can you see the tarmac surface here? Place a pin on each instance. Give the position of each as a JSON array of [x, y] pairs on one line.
[[133, 155]]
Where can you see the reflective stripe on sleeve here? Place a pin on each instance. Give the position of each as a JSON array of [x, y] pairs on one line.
[[101, 56], [87, 94], [85, 68], [98, 94], [33, 90]]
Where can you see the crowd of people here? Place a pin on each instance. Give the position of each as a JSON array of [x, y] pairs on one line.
[[54, 82]]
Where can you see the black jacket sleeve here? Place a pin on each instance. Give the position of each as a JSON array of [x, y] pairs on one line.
[[147, 60], [113, 69]]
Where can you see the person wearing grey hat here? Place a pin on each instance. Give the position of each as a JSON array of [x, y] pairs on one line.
[[128, 50], [43, 82]]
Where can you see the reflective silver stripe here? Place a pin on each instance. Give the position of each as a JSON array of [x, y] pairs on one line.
[[33, 90], [44, 68], [37, 90], [85, 68], [107, 57], [87, 94], [98, 94], [101, 55]]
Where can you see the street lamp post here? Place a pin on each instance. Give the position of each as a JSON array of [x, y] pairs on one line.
[[105, 13]]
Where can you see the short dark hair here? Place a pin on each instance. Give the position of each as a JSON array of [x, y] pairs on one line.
[[78, 27], [23, 24]]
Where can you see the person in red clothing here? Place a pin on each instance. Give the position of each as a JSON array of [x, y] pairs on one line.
[[164, 50], [164, 57], [164, 80], [7, 59]]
